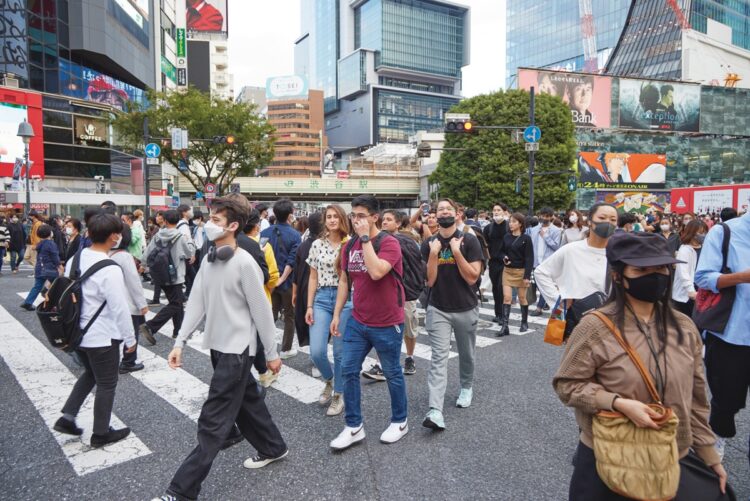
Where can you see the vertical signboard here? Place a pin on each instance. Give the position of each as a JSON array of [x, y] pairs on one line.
[[181, 39]]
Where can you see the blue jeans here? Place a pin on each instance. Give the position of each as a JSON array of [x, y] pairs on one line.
[[16, 258], [323, 306], [2, 257], [359, 339], [34, 292]]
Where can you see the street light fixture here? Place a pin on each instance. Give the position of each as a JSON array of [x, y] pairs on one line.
[[26, 132]]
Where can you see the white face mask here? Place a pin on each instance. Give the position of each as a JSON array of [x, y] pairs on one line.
[[666, 227], [213, 231], [573, 218], [498, 219], [68, 231], [117, 242]]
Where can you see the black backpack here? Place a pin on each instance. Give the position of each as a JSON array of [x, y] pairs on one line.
[[413, 281], [160, 264], [60, 313]]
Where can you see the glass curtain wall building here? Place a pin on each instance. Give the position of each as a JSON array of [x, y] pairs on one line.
[[396, 66], [549, 34]]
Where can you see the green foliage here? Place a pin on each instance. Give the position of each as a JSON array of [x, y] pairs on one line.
[[204, 118], [487, 170]]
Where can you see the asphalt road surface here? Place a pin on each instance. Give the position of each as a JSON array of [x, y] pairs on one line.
[[514, 443]]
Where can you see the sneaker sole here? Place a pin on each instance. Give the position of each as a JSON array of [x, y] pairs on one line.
[[331, 414], [427, 423], [373, 378], [149, 337], [65, 431], [128, 371], [410, 373], [266, 462], [394, 441], [463, 406], [339, 449]]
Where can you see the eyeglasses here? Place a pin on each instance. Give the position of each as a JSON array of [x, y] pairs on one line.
[[358, 215]]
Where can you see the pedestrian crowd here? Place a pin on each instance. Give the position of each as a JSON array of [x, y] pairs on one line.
[[358, 281]]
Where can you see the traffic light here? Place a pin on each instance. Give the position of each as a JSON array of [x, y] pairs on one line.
[[170, 188], [424, 150], [224, 140], [459, 125], [572, 183]]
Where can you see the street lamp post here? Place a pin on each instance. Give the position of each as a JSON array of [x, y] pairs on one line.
[[26, 132]]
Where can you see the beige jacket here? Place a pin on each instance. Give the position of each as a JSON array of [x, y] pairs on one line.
[[595, 369]]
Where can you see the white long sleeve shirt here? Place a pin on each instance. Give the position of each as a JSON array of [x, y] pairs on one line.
[[108, 285], [136, 296], [229, 295], [684, 275], [574, 271]]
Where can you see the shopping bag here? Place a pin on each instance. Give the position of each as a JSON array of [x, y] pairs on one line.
[[555, 331]]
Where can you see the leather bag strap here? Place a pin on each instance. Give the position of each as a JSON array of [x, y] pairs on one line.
[[631, 353]]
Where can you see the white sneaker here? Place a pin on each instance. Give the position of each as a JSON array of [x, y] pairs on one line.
[[348, 437], [288, 354], [394, 432], [315, 372]]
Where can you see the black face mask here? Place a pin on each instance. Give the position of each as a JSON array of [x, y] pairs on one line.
[[649, 288], [446, 222], [604, 230]]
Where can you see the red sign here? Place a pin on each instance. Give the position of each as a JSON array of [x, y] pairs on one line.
[[342, 174], [15, 106], [707, 199]]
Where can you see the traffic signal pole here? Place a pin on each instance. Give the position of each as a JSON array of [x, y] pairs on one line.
[[531, 155], [146, 170]]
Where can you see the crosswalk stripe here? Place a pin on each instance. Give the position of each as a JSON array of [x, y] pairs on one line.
[[481, 341], [47, 383], [369, 361]]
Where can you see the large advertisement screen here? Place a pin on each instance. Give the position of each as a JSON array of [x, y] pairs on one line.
[[636, 201], [11, 146], [654, 105], [85, 83], [589, 97], [621, 171], [207, 16], [15, 107]]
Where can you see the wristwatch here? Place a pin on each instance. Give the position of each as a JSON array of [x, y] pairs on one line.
[[364, 238]]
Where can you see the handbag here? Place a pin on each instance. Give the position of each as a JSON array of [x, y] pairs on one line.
[[713, 309], [555, 331], [638, 463]]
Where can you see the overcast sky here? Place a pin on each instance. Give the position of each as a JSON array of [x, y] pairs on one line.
[[262, 34]]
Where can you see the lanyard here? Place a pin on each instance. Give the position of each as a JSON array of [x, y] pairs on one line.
[[660, 378]]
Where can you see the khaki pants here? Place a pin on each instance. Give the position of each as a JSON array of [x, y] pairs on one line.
[[31, 254]]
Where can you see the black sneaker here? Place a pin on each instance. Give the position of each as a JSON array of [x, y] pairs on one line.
[[27, 306], [145, 331], [410, 368], [110, 437], [151, 302], [375, 373], [68, 427], [125, 368], [166, 497], [259, 461]]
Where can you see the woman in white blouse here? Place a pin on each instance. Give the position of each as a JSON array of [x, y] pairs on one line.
[[325, 254], [683, 289], [574, 230]]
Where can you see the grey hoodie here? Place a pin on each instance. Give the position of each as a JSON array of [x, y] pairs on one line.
[[181, 249]]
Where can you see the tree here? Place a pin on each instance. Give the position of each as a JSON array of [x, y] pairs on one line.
[[204, 118], [486, 171]]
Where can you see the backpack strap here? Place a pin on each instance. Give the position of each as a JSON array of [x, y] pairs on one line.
[[725, 248], [81, 278], [399, 279]]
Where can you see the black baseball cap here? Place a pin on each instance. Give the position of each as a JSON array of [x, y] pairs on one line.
[[640, 249]]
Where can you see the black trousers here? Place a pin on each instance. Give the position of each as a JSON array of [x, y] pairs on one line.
[[686, 308], [259, 362], [172, 311], [282, 302], [190, 273], [233, 396], [728, 376], [131, 358], [101, 369], [496, 277]]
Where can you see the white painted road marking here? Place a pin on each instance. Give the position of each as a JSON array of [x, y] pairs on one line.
[[47, 383]]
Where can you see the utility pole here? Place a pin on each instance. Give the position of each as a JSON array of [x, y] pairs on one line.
[[531, 155], [146, 170]]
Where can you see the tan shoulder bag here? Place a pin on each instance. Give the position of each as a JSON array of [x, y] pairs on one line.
[[639, 463]]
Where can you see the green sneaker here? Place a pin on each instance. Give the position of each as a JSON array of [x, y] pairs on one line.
[[464, 398], [434, 420]]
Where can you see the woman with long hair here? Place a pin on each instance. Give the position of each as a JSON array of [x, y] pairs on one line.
[[683, 290], [574, 230], [324, 259], [596, 374], [301, 278], [518, 257]]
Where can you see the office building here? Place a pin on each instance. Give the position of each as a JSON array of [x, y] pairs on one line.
[[551, 33], [387, 68], [253, 95]]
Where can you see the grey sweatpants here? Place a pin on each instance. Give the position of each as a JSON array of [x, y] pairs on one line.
[[439, 325]]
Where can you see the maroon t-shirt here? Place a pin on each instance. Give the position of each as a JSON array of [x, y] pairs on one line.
[[375, 302]]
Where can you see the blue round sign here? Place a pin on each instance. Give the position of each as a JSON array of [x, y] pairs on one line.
[[153, 150], [532, 134]]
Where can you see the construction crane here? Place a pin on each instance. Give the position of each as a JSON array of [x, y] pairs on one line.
[[588, 36], [681, 19]]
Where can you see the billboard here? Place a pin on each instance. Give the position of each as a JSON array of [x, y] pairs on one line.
[[621, 171], [288, 87], [589, 97], [636, 201], [707, 199], [654, 105], [85, 83], [15, 107], [207, 16]]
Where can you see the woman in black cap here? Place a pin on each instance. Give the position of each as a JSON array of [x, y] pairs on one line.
[[596, 375]]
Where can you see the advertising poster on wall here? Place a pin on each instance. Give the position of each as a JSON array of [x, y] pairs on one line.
[[15, 107], [655, 105], [11, 146], [621, 171], [588, 97], [207, 16], [708, 201], [743, 200], [636, 201]]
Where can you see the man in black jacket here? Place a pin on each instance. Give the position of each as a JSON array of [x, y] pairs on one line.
[[494, 234], [16, 243]]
